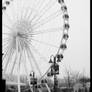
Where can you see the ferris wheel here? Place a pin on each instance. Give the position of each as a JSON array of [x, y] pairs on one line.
[[33, 30]]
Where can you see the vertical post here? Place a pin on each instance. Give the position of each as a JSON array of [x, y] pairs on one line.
[[55, 84], [19, 78], [18, 67], [55, 77]]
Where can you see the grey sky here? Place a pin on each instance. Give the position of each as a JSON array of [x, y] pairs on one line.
[[77, 56]]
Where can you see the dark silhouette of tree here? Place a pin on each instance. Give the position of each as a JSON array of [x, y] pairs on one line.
[[84, 79], [71, 77]]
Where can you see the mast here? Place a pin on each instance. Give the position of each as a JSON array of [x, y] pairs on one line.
[[18, 68]]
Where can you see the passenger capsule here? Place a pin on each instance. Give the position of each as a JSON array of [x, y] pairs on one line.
[[61, 1], [66, 26], [65, 36], [61, 56], [38, 86], [64, 8], [49, 74], [44, 81], [4, 8], [63, 46], [58, 58], [7, 2], [66, 16]]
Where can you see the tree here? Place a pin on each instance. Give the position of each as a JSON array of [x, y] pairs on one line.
[[71, 77], [68, 78], [83, 79]]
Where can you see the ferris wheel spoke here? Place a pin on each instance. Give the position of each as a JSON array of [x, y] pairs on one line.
[[20, 57], [40, 5], [8, 34], [28, 55], [6, 40], [8, 17], [29, 15], [44, 43], [25, 67], [4, 48], [36, 15], [7, 49], [46, 20], [59, 29], [45, 8], [32, 56], [8, 59], [21, 16], [6, 43], [28, 33], [15, 60], [25, 62], [18, 6], [19, 46], [10, 29], [13, 12], [24, 13], [41, 56], [44, 31], [33, 18]]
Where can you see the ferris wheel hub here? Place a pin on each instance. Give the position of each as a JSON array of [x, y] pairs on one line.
[[21, 33], [21, 27]]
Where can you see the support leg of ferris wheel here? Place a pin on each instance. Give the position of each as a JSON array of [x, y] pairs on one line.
[[39, 90], [18, 72], [47, 87], [28, 77], [19, 90]]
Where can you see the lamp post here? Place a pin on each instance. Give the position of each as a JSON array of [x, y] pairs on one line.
[[55, 76], [54, 60]]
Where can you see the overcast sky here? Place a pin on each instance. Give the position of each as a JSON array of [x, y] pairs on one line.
[[77, 56]]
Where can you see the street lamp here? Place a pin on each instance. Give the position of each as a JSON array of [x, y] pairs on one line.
[[54, 69]]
